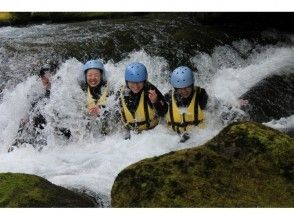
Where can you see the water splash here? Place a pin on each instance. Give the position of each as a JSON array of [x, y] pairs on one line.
[[283, 124], [92, 162], [227, 75]]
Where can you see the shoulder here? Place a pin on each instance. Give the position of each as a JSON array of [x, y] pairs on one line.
[[105, 86], [201, 91], [168, 95], [84, 87], [203, 97], [149, 85]]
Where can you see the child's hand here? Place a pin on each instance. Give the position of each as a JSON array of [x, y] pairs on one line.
[[94, 111], [152, 96]]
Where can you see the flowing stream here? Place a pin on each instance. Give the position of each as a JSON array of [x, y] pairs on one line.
[[226, 64]]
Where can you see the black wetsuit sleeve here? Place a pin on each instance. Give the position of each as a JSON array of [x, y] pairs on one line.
[[117, 107], [168, 96], [84, 87], [160, 106], [203, 98]]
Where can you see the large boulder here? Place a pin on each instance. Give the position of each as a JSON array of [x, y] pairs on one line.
[[24, 190], [246, 165], [272, 98]]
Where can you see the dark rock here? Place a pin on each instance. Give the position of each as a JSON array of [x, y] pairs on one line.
[[246, 165], [272, 98]]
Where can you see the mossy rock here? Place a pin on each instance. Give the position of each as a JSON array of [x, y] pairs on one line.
[[24, 190], [246, 165], [9, 18]]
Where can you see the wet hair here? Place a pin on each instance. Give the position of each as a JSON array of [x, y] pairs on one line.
[[43, 71], [51, 67]]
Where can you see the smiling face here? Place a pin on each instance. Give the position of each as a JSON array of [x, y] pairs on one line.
[[185, 92], [93, 77], [135, 87]]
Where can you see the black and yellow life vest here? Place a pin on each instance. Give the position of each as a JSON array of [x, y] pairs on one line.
[[102, 101], [181, 121], [144, 117]]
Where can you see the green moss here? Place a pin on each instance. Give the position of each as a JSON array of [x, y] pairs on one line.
[[246, 165], [23, 190], [5, 16], [246, 140], [8, 18]]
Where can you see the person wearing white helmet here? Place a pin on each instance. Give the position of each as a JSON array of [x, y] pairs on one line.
[[141, 103], [187, 103]]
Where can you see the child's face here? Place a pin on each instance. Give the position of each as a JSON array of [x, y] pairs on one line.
[[136, 87], [185, 92], [93, 77]]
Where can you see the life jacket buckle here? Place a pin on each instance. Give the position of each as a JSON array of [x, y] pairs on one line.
[[135, 122]]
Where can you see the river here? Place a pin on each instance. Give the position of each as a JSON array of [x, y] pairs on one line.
[[226, 61]]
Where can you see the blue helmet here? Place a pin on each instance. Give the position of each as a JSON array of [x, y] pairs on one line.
[[182, 77], [93, 64], [136, 72]]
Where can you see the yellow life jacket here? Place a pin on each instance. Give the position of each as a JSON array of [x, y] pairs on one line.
[[102, 101], [181, 121], [144, 118]]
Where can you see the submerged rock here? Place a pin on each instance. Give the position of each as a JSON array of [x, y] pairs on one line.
[[246, 165], [24, 190]]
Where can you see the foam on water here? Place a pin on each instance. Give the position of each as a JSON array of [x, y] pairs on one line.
[[283, 124], [15, 106]]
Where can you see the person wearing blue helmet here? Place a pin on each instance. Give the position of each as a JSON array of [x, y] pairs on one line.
[[141, 103], [186, 103], [97, 93], [96, 87]]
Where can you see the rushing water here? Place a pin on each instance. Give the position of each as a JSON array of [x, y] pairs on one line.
[[227, 67]]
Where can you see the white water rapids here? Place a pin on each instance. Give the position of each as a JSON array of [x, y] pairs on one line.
[[91, 163]]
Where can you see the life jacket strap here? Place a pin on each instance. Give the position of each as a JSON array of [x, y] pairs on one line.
[[146, 112], [140, 123], [184, 124]]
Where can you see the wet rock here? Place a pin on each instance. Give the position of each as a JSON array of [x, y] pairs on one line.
[[272, 98], [246, 165], [24, 190]]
